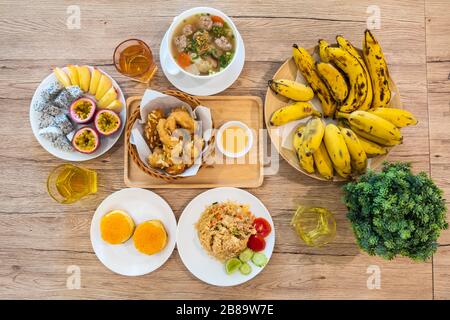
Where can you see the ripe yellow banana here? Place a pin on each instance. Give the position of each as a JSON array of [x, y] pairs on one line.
[[355, 73], [357, 154], [323, 51], [375, 139], [323, 162], [293, 111], [378, 70], [337, 150], [371, 148], [291, 89], [297, 138], [346, 45], [306, 161], [373, 125], [306, 65], [313, 135], [399, 117], [334, 80]]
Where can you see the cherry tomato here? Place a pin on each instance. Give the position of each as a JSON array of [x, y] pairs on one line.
[[184, 60], [262, 226], [256, 243], [217, 19]]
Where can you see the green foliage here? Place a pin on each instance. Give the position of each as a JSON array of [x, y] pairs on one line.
[[395, 212], [225, 59]]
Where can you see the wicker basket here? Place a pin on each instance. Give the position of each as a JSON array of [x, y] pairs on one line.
[[193, 102]]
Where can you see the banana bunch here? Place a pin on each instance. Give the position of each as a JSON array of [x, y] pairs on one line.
[[357, 154], [373, 127], [357, 79], [291, 89], [352, 86], [307, 142], [300, 109], [324, 148], [307, 66], [337, 150], [346, 45]]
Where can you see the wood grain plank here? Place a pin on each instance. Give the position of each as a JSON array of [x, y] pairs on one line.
[[42, 274], [439, 109], [441, 271], [31, 36], [438, 41], [438, 73]]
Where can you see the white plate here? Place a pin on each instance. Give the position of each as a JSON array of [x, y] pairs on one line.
[[141, 205], [106, 143], [195, 258], [203, 87]]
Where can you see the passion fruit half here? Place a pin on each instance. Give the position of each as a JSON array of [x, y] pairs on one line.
[[107, 122], [86, 140], [82, 110]]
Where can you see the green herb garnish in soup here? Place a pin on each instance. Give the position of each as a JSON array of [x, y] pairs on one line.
[[203, 44]]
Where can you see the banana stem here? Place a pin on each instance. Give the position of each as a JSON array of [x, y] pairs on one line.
[[317, 113], [342, 115]]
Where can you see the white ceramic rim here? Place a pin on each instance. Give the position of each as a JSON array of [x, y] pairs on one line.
[[233, 154], [191, 12]]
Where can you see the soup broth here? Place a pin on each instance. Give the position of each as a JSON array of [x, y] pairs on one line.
[[203, 44]]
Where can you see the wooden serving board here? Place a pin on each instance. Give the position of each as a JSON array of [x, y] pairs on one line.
[[246, 172]]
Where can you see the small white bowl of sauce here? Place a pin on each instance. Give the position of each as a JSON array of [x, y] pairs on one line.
[[234, 139]]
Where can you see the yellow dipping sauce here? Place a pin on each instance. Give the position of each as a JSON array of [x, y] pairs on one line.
[[234, 139]]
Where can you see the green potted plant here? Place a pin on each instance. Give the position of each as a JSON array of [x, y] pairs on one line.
[[394, 212]]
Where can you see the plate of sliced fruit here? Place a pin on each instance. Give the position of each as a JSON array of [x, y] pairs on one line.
[[77, 112], [332, 111]]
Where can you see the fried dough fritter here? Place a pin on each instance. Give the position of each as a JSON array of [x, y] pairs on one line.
[[182, 118], [171, 152], [150, 132]]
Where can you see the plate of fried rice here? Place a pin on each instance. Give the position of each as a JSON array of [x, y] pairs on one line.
[[215, 227]]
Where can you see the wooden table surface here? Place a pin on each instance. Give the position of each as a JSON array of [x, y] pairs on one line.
[[40, 239]]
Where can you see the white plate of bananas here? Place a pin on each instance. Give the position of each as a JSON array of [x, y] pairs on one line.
[[333, 111]]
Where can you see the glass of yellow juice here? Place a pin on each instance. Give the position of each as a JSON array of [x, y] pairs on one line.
[[68, 183], [316, 226]]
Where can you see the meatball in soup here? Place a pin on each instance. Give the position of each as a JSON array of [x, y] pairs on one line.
[[203, 44]]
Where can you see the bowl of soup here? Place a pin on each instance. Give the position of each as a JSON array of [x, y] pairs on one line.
[[203, 42]]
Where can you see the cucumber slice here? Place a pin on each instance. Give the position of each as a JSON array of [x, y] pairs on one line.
[[246, 255], [245, 269], [232, 265], [259, 259]]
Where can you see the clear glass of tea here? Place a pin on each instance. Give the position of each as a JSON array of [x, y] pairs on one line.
[[68, 183], [134, 59]]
